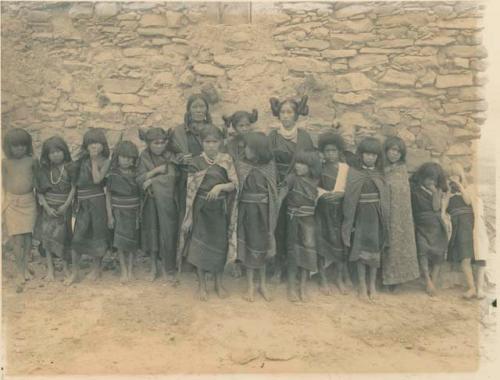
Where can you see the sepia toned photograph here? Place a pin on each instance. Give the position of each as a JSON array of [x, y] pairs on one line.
[[251, 187]]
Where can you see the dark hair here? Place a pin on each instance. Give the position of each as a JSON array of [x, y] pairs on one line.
[[16, 137], [331, 138], [236, 117], [312, 160], [395, 141], [54, 142], [191, 100], [300, 108], [370, 145], [430, 170], [125, 148], [211, 131], [93, 136], [260, 145], [153, 133]]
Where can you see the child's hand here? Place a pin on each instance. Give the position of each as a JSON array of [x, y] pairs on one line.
[[147, 183], [111, 222], [62, 209], [162, 169], [433, 188], [49, 210], [214, 193], [187, 159], [186, 229], [332, 196]]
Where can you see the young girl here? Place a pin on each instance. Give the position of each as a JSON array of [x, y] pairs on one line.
[[242, 122], [158, 178], [399, 261], [302, 188], [123, 203], [257, 209], [91, 235], [56, 190], [329, 210], [428, 185], [469, 241], [366, 213], [19, 205], [208, 236]]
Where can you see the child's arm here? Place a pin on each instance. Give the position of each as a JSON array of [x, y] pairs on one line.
[[111, 221], [62, 209], [99, 174], [43, 202], [437, 197], [222, 187]]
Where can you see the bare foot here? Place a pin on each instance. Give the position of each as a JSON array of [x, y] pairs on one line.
[[430, 289], [124, 278], [249, 296], [480, 295], [131, 276], [93, 275], [236, 271], [221, 292], [325, 289], [19, 288], [28, 275], [342, 288], [71, 279], [265, 293], [50, 277], [292, 295], [363, 295], [373, 295], [469, 294], [202, 294], [304, 297], [152, 276]]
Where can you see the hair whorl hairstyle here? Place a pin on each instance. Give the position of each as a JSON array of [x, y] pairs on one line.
[[431, 170], [153, 133], [456, 169], [259, 143], [331, 138], [15, 137], [398, 142], [312, 160], [187, 116], [54, 142], [234, 119], [95, 136], [300, 108], [125, 148], [211, 131]]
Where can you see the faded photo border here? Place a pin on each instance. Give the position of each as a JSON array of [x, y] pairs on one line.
[[488, 369]]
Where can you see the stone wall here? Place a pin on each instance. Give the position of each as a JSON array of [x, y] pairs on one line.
[[409, 68]]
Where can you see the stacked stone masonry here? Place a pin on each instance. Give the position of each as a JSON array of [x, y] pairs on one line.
[[414, 69]]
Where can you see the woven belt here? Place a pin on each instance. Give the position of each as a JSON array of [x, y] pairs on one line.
[[56, 199], [461, 211], [125, 202], [84, 194], [247, 197], [301, 211], [369, 198], [203, 195]]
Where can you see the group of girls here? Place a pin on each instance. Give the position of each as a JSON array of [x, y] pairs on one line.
[[196, 199]]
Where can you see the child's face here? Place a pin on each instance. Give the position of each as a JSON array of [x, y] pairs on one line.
[[369, 159], [393, 154], [243, 125], [287, 116], [158, 146], [56, 156], [211, 146], [301, 169], [125, 162], [250, 154], [331, 153], [19, 151], [429, 183], [95, 149], [198, 111]]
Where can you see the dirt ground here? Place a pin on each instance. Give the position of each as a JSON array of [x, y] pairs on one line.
[[155, 328]]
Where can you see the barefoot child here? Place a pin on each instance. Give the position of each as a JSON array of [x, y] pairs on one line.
[[19, 205], [257, 209], [158, 176], [242, 122], [469, 241], [431, 237], [91, 235], [329, 210], [123, 204], [208, 236], [56, 191], [399, 261], [366, 213], [302, 188]]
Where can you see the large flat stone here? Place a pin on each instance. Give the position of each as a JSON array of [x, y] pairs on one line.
[[123, 98], [399, 78], [466, 51], [353, 82], [351, 98], [362, 61], [358, 26], [81, 10], [136, 109], [465, 107], [122, 86], [435, 41], [401, 102], [106, 10], [457, 80], [389, 44], [416, 60], [153, 20], [305, 64], [410, 19], [342, 53], [461, 23], [166, 32], [208, 70], [352, 10]]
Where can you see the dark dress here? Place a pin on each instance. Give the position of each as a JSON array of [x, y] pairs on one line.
[[208, 243], [159, 217], [301, 226], [91, 235], [125, 205], [253, 221], [368, 237], [55, 233], [329, 217], [235, 147], [430, 230], [461, 245]]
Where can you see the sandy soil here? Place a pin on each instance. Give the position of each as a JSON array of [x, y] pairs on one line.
[[154, 328]]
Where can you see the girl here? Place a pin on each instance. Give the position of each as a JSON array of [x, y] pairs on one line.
[[469, 241], [56, 190], [257, 209], [329, 210], [366, 213], [91, 235], [208, 232], [428, 185], [19, 205], [286, 141], [300, 228], [123, 205], [242, 122], [158, 179], [399, 261]]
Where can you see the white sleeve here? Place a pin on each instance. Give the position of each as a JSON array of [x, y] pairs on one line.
[[341, 181]]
